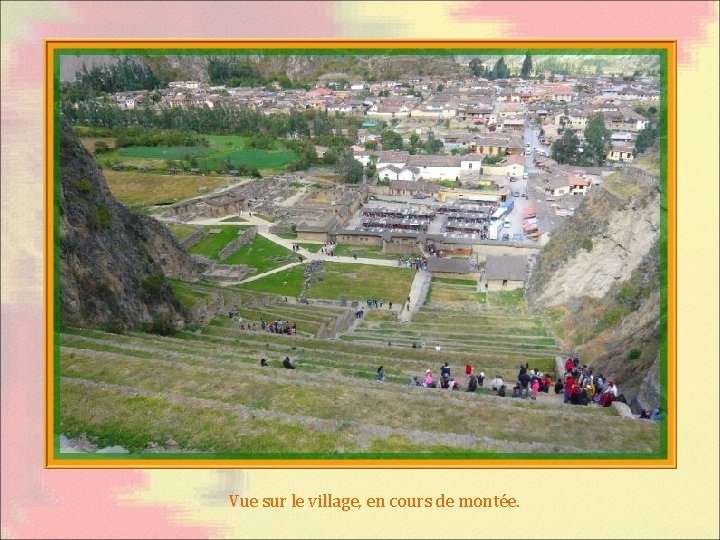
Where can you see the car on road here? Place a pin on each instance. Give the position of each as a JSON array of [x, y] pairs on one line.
[[513, 179], [526, 176], [527, 152], [506, 237], [524, 195], [517, 237], [516, 193], [507, 224]]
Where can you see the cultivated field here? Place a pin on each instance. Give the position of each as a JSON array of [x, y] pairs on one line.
[[143, 189]]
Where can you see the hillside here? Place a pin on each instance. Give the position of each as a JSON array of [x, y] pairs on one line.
[[305, 69], [113, 263], [598, 278]]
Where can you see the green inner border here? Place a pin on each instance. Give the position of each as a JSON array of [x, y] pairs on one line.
[[518, 51]]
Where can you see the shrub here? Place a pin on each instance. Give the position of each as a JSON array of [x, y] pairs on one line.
[[634, 354], [100, 217], [83, 185]]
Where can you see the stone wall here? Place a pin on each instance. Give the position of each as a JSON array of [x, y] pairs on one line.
[[243, 238], [194, 238]]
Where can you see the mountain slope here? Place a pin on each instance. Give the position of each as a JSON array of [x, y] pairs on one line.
[[599, 280], [112, 263]]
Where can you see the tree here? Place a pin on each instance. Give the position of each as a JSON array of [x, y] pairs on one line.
[[434, 146], [391, 140], [370, 145], [597, 139], [349, 167], [526, 66], [500, 70], [645, 139], [565, 149], [477, 67]]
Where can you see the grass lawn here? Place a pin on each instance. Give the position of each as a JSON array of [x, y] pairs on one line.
[[368, 252], [262, 254], [180, 231], [506, 299], [286, 283], [287, 235], [223, 148], [235, 219], [212, 244], [135, 188], [360, 282]]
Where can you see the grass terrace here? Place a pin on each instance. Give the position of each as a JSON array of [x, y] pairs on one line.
[[285, 283], [366, 252], [206, 391], [360, 282], [262, 254], [181, 232], [211, 245]]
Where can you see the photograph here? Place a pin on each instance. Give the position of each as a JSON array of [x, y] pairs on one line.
[[455, 253]]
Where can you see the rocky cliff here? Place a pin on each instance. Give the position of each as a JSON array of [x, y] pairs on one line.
[[599, 280], [113, 263]]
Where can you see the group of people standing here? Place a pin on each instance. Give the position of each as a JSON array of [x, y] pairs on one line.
[[447, 381], [581, 386]]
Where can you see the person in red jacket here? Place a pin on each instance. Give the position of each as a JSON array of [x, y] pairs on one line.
[[569, 365], [468, 369]]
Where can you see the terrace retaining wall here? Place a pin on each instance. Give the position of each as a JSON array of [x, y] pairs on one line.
[[245, 237]]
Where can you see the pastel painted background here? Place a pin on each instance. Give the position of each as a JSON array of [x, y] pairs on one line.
[[39, 503]]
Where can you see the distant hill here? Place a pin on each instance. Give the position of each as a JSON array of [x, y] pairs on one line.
[[310, 68]]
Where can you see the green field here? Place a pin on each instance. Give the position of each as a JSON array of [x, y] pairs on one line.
[[262, 254], [212, 244], [181, 232], [231, 149], [360, 282], [140, 188], [366, 252], [162, 152], [286, 283]]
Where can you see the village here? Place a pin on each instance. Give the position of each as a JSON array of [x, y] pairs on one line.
[[491, 183]]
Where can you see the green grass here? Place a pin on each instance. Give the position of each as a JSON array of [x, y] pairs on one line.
[[367, 252], [360, 282], [222, 149], [235, 219], [161, 152], [211, 245], [262, 254], [505, 299], [454, 281], [287, 235], [286, 283], [181, 232]]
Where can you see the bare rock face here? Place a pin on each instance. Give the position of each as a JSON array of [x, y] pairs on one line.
[[113, 264], [601, 270]]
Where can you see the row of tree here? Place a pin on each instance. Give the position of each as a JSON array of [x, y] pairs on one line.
[[392, 140], [220, 120], [500, 69], [125, 75]]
